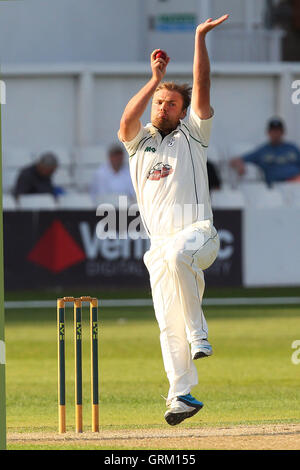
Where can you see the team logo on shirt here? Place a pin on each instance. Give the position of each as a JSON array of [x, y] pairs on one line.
[[171, 142], [160, 170], [150, 149]]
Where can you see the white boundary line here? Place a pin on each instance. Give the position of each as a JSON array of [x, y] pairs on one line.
[[19, 304]]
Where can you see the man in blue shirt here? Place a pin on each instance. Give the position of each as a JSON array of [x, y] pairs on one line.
[[279, 160]]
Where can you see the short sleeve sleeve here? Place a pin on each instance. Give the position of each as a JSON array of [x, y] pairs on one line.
[[132, 145], [253, 157], [200, 128]]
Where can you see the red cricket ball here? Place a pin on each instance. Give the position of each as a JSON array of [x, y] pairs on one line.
[[160, 55]]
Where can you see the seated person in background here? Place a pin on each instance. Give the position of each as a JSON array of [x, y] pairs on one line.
[[36, 178], [214, 181], [112, 177], [279, 160]]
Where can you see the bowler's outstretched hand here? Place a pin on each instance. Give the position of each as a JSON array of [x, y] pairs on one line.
[[209, 24]]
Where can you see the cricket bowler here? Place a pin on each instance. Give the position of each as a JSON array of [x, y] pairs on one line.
[[167, 161]]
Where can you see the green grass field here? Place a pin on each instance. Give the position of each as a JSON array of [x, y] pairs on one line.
[[249, 380]]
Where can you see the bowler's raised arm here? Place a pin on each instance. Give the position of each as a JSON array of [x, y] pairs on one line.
[[130, 122], [201, 69]]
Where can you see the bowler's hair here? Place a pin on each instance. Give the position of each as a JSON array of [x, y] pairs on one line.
[[184, 90]]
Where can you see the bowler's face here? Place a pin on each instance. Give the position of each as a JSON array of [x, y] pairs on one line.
[[167, 110]]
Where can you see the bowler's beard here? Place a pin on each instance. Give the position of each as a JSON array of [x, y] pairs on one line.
[[165, 125]]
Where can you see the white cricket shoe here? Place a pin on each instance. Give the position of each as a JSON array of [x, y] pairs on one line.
[[182, 407], [201, 349]]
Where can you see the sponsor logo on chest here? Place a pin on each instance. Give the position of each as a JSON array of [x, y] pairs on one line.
[[159, 171], [150, 149]]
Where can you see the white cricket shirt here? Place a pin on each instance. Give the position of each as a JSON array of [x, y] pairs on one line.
[[169, 175]]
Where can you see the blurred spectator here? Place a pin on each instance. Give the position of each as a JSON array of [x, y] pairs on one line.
[[36, 178], [214, 181], [279, 160], [112, 177]]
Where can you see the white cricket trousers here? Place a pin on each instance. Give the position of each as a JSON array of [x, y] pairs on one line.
[[175, 264]]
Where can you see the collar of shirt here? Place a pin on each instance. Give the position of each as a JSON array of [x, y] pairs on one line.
[[155, 132]]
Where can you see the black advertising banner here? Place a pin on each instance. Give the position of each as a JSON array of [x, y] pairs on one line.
[[57, 249], [51, 249]]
